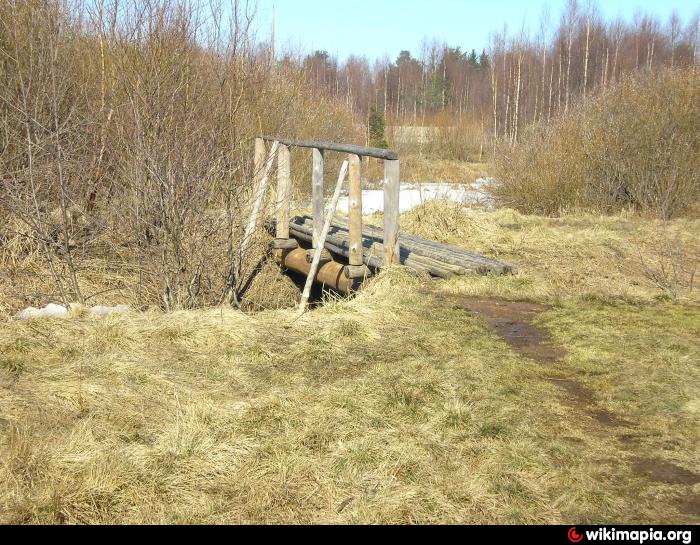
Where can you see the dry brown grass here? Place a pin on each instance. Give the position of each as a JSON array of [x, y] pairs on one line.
[[416, 168], [390, 407], [574, 256]]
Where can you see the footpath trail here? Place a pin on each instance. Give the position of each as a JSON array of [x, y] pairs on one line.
[[515, 323]]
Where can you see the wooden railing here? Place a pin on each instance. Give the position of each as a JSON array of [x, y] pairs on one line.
[[281, 151]]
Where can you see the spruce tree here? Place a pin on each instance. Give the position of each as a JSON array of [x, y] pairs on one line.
[[376, 129]]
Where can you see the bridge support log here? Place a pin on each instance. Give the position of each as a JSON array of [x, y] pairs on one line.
[[331, 274], [357, 272], [285, 244]]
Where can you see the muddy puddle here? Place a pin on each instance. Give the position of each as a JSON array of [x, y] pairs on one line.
[[690, 505], [513, 322], [661, 471]]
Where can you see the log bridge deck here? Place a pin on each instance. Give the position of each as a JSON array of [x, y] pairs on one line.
[[343, 254]]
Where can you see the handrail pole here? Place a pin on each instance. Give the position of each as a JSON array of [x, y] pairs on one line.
[[377, 153]]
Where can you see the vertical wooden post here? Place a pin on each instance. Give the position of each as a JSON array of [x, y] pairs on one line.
[[391, 212], [317, 196], [355, 211], [263, 166], [258, 166], [284, 192]]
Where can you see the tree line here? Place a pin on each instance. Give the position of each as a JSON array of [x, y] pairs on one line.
[[519, 79]]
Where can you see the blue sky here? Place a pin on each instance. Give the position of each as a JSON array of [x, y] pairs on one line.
[[378, 27]]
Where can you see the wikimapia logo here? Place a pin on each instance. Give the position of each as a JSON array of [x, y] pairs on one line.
[[634, 536]]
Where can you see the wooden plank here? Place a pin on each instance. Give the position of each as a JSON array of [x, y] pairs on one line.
[[317, 195], [391, 212], [355, 210], [283, 204], [377, 153], [324, 232]]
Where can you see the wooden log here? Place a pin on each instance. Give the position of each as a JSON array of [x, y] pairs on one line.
[[434, 270], [429, 248], [285, 244], [476, 266], [322, 240], [325, 255], [336, 244], [283, 203], [357, 272], [355, 211], [454, 269], [339, 247], [391, 212], [317, 195], [415, 243], [330, 275], [372, 250]]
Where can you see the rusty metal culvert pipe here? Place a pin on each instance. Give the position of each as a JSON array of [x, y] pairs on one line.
[[331, 274]]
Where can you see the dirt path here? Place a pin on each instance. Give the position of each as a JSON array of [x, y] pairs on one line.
[[514, 323]]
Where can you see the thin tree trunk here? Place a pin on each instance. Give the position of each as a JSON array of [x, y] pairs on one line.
[[605, 69], [585, 62], [494, 89], [551, 86], [517, 99]]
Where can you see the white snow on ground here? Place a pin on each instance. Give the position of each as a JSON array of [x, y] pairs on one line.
[[53, 310], [99, 310], [49, 311], [413, 195]]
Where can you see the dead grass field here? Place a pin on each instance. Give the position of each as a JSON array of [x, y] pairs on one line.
[[401, 405], [415, 168]]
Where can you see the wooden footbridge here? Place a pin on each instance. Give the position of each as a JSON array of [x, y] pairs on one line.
[[341, 254]]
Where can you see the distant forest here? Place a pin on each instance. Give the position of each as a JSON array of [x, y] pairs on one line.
[[519, 79]]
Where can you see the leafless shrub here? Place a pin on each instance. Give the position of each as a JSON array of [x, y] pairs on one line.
[[670, 262], [635, 147], [126, 131]]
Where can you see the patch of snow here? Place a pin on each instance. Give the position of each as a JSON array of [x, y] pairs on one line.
[[51, 310], [413, 195], [99, 310]]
